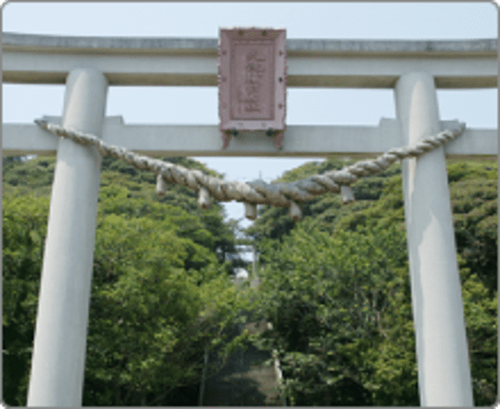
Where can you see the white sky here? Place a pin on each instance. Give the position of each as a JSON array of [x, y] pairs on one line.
[[190, 105]]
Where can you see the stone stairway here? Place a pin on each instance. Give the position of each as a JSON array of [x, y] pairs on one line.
[[244, 380]]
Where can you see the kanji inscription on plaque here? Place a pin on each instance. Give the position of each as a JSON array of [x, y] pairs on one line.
[[252, 82]]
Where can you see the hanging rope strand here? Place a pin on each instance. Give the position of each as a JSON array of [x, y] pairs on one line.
[[258, 192]]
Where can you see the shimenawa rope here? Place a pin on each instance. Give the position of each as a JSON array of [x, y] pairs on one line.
[[258, 192]]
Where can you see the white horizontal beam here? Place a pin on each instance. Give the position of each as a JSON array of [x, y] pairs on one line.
[[193, 62], [205, 140]]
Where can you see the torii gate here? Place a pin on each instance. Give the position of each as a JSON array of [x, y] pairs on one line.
[[88, 65]]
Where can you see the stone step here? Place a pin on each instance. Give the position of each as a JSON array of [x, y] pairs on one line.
[[244, 380]]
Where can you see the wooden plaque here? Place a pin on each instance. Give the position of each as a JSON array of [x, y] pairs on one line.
[[252, 82]]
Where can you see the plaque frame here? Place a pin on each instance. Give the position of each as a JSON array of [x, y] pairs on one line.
[[252, 82]]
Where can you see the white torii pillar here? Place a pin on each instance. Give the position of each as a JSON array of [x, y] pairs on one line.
[[443, 360], [58, 361]]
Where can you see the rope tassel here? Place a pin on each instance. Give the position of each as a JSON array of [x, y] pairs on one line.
[[161, 186], [295, 212], [347, 194], [203, 198], [250, 211]]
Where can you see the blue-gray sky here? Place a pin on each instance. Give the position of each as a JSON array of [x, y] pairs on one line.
[[190, 105]]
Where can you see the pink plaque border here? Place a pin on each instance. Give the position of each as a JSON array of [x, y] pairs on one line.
[[273, 127]]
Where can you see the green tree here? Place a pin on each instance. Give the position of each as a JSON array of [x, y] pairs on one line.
[[161, 293], [157, 300], [326, 297], [379, 366], [24, 226]]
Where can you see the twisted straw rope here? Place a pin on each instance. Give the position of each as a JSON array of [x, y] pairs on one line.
[[258, 192]]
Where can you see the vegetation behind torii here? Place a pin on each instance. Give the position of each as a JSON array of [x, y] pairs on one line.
[[161, 291], [336, 289], [335, 286]]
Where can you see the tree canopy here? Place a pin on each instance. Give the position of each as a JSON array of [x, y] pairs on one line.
[[161, 292], [335, 287]]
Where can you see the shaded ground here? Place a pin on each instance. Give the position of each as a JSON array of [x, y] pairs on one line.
[[244, 380]]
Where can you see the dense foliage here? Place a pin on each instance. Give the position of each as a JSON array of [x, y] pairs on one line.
[[336, 288], [161, 292]]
